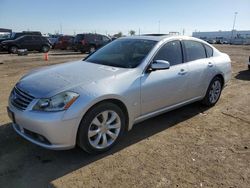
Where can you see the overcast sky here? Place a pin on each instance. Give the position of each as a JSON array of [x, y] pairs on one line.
[[112, 16]]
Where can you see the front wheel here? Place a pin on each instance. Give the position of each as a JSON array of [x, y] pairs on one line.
[[101, 128], [92, 49], [213, 92], [13, 49], [45, 49]]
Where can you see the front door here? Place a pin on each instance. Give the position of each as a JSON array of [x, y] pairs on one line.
[[163, 88]]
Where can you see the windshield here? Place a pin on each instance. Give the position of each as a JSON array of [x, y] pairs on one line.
[[125, 53]]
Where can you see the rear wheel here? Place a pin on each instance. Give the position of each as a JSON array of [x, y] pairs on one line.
[[92, 49], [13, 49], [101, 128], [213, 92]]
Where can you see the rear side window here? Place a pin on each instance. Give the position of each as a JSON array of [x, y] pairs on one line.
[[194, 50], [79, 37], [209, 50], [170, 52], [105, 39], [36, 38], [27, 38]]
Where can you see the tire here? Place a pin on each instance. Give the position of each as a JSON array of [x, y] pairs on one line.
[[96, 136], [92, 49], [13, 49], [45, 49], [213, 92]]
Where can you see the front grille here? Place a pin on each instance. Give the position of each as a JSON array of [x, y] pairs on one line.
[[20, 99]]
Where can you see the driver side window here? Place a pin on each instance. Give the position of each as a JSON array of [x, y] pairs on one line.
[[170, 52]]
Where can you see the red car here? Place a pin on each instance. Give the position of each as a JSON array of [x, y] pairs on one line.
[[65, 42]]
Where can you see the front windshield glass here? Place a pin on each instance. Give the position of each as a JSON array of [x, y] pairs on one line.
[[125, 53]]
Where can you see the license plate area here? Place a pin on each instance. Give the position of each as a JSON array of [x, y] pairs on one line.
[[11, 115]]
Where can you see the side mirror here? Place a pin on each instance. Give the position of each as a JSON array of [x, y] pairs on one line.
[[159, 65]]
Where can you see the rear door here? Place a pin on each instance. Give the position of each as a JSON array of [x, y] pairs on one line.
[[164, 88], [36, 43], [199, 66], [26, 42]]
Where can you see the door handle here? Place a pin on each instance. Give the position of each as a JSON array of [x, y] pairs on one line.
[[210, 64], [182, 72]]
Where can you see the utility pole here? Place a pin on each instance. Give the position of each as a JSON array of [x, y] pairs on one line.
[[60, 28], [235, 15], [159, 27]]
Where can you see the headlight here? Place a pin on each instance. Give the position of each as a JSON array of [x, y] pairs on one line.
[[61, 101]]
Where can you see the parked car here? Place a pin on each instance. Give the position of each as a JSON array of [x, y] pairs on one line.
[[16, 35], [89, 42], [92, 102], [29, 42], [53, 39], [211, 41], [65, 42]]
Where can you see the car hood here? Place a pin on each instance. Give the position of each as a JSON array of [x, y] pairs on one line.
[[52, 80]]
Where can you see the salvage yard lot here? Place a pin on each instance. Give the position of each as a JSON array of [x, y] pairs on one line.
[[190, 147]]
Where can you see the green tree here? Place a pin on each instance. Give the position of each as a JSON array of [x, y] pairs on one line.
[[132, 32], [118, 35]]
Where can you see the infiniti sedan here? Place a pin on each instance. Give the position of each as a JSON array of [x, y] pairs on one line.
[[92, 102]]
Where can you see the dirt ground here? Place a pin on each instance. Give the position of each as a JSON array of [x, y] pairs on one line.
[[190, 147]]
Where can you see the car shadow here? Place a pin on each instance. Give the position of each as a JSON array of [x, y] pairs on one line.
[[26, 165], [243, 75]]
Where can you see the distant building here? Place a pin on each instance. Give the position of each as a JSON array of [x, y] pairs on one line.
[[234, 37]]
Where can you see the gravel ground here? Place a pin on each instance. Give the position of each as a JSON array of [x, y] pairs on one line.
[[190, 147]]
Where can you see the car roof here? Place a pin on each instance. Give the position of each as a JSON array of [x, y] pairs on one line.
[[162, 37]]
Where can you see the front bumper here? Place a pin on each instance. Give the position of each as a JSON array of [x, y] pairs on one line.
[[48, 130], [3, 47]]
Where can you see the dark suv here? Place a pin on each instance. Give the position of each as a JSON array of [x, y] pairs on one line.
[[29, 42], [16, 35], [89, 42]]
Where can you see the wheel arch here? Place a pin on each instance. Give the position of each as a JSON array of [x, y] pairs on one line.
[[220, 75], [115, 101]]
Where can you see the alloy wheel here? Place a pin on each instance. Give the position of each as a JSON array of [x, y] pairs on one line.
[[215, 91], [104, 129]]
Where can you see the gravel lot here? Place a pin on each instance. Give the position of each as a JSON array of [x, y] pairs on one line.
[[189, 147]]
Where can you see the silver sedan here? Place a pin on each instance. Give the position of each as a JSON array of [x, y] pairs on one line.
[[92, 102]]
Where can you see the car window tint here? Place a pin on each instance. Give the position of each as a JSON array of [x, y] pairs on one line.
[[209, 50], [99, 37], [194, 50], [79, 37], [36, 38], [105, 39], [26, 38], [126, 53], [170, 52]]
